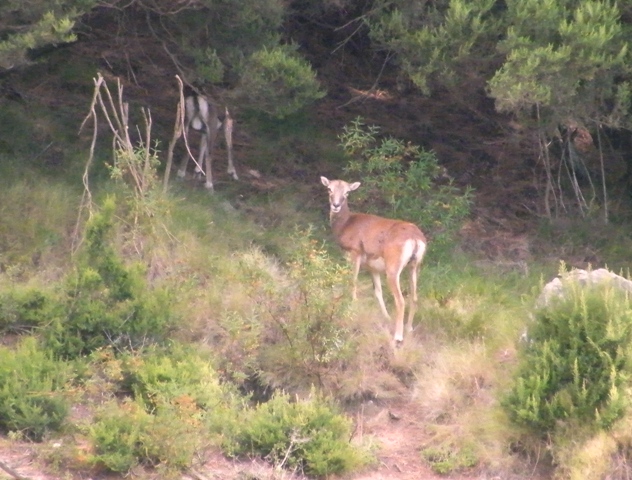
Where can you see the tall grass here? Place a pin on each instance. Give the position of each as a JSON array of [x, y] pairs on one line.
[[37, 218]]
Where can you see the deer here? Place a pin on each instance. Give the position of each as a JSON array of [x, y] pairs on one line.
[[202, 115], [379, 245]]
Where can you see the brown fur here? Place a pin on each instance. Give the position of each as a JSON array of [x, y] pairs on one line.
[[380, 245]]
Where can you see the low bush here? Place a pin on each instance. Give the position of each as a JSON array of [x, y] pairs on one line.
[[105, 302], [305, 335], [278, 82], [175, 375], [126, 435], [31, 390], [175, 401], [115, 435], [24, 308], [303, 435], [577, 362], [449, 458]]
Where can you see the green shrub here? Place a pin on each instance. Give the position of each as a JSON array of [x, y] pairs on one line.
[[306, 435], [576, 366], [398, 177], [126, 435], [106, 302], [173, 436], [115, 435], [177, 400], [278, 82], [448, 458], [306, 338], [31, 384], [24, 308], [177, 375]]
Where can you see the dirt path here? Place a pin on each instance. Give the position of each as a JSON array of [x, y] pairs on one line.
[[400, 435]]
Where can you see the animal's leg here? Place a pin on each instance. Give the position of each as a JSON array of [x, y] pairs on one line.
[[211, 135], [377, 289], [356, 261], [392, 277], [205, 159], [228, 135], [182, 171], [418, 256], [412, 295], [203, 150]]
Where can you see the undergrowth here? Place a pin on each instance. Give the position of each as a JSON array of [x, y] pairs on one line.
[[307, 436], [32, 383], [182, 327], [105, 302], [572, 387]]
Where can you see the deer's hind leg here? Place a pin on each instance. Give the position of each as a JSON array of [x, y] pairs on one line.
[[209, 146], [377, 290], [392, 278], [228, 135], [206, 160], [412, 294], [414, 265]]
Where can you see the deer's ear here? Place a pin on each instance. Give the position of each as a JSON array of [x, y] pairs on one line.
[[354, 186], [325, 181]]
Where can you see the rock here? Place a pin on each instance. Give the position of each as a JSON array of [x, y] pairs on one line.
[[555, 288]]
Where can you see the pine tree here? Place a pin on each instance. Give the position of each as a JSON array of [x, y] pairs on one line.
[[28, 26]]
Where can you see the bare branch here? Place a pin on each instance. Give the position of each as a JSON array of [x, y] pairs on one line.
[[177, 133], [12, 472]]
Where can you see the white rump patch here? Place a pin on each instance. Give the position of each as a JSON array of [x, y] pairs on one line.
[[203, 105], [421, 249], [407, 251], [197, 110]]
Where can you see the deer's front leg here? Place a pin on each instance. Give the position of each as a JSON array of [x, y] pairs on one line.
[[228, 135], [205, 159]]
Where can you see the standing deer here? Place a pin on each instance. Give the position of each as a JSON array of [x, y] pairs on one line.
[[203, 116], [381, 245]]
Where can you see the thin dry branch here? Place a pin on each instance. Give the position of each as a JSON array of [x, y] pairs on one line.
[[116, 113], [12, 472], [86, 198], [147, 162], [160, 8], [603, 176], [373, 87], [177, 133]]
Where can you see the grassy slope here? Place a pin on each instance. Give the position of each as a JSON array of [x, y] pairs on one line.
[[451, 370], [452, 367]]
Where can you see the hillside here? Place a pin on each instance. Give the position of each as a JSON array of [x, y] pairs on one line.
[[476, 146]]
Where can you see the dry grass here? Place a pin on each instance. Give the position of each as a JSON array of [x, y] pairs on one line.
[[36, 223]]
